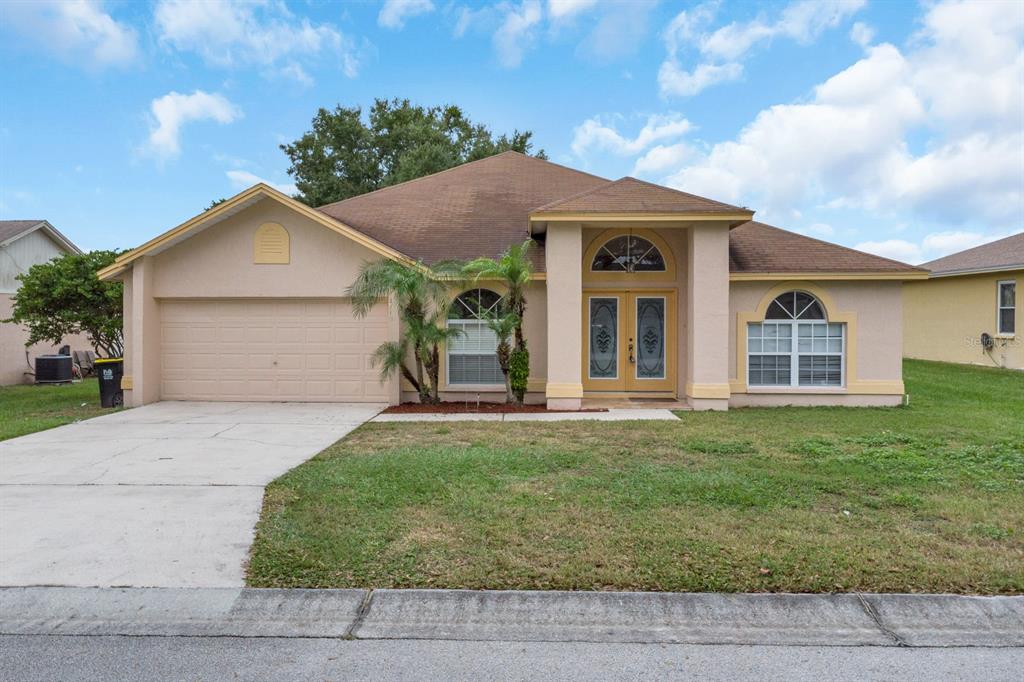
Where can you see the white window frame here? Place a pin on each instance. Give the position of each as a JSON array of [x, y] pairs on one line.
[[795, 353], [462, 323], [1000, 308]]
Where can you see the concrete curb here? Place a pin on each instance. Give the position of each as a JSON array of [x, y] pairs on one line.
[[756, 619]]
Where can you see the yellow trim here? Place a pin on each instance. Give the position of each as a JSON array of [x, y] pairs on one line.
[[224, 208], [555, 216], [710, 391], [553, 390], [739, 384], [624, 278], [271, 245], [623, 383], [803, 276]]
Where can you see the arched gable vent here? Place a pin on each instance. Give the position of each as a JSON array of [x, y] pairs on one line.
[[271, 245]]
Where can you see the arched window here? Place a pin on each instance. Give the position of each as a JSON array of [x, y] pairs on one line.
[[472, 356], [628, 253], [796, 335]]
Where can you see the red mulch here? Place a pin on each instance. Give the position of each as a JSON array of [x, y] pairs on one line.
[[481, 408]]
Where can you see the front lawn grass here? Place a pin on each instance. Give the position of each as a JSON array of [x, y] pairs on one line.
[[29, 408], [927, 498]]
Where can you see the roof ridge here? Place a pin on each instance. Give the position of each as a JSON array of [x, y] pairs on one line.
[[611, 183], [453, 168], [986, 245], [835, 245]]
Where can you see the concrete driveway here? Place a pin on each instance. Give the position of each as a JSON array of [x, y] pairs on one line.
[[165, 495]]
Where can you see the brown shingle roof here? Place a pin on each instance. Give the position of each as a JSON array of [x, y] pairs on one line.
[[1003, 254], [760, 248], [13, 228], [629, 195], [476, 209]]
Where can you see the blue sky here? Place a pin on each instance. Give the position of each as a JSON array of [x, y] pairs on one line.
[[896, 127]]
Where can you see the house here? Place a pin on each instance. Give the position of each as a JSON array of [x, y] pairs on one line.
[[23, 243], [640, 292], [969, 295]]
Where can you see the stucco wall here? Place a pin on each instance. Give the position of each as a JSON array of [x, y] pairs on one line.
[[944, 318], [218, 262], [876, 307]]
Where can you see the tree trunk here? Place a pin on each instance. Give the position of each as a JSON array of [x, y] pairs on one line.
[[504, 353]]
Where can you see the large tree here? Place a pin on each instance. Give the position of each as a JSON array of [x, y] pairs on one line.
[[64, 297], [344, 155]]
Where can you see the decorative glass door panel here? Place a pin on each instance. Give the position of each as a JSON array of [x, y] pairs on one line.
[[604, 338], [650, 337]]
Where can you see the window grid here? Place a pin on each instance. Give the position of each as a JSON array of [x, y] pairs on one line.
[[817, 354], [1006, 307], [472, 356]]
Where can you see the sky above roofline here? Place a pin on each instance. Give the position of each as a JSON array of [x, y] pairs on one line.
[[895, 128]]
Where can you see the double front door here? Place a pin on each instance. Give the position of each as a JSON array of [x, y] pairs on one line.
[[629, 340]]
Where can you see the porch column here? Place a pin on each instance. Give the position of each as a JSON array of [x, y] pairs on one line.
[[143, 348], [563, 255], [707, 314]]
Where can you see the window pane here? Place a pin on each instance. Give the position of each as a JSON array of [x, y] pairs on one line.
[[820, 370], [628, 254], [1007, 294], [1007, 321], [474, 304], [753, 331], [768, 370], [474, 369], [807, 308]]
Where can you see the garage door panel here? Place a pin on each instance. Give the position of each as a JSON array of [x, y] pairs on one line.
[[270, 350]]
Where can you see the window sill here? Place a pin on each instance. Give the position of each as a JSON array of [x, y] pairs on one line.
[[796, 389]]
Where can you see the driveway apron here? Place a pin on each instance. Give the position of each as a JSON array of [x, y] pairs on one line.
[[165, 495]]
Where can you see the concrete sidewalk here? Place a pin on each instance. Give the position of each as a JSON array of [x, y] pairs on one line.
[[462, 615], [611, 415]]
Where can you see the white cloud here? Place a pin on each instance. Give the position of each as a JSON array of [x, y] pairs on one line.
[[241, 179], [819, 229], [723, 49], [561, 9], [76, 30], [847, 147], [674, 80], [934, 245], [394, 12], [515, 34], [593, 135], [226, 33], [660, 158], [174, 110], [862, 34], [898, 249]]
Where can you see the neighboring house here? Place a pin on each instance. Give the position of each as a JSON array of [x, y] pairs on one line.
[[641, 292], [23, 243], [968, 294]]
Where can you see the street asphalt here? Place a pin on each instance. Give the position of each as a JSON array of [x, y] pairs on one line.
[[69, 633]]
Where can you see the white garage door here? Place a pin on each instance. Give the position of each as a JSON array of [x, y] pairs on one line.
[[272, 349]]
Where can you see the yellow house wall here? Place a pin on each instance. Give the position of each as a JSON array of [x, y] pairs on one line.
[[944, 318]]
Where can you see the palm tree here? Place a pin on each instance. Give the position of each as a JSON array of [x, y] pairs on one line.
[[422, 298], [514, 269], [503, 326]]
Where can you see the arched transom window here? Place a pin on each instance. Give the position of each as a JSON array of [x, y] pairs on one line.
[[796, 345], [472, 356], [628, 253]]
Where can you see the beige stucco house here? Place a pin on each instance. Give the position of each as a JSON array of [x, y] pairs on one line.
[[967, 295], [640, 292], [24, 243]]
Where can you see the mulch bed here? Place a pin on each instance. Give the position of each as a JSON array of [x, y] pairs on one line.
[[473, 407]]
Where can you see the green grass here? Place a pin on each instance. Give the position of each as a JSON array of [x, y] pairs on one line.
[[27, 409], [923, 498]]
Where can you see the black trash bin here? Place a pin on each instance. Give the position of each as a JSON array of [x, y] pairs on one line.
[[109, 371]]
